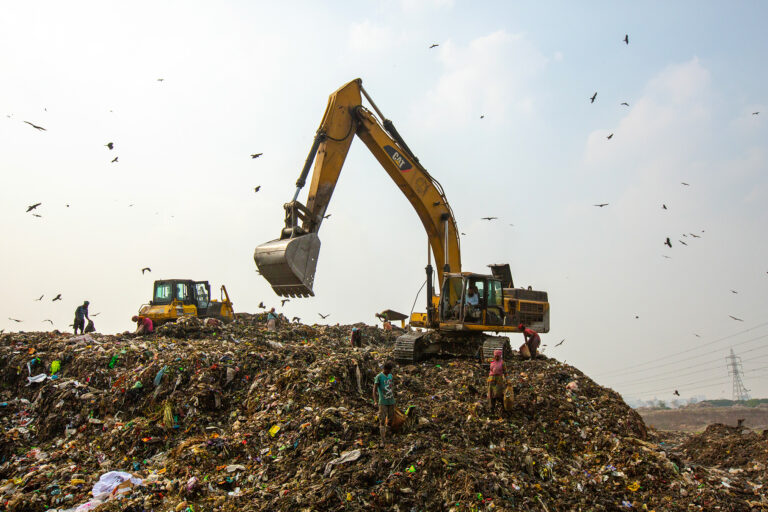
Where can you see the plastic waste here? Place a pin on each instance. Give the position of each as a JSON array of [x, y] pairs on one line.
[[108, 482], [37, 378]]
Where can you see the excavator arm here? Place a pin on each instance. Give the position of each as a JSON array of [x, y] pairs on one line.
[[289, 263]]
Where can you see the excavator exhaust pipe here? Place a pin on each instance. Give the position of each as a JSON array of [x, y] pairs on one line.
[[289, 264]]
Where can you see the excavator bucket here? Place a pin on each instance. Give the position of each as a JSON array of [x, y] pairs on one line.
[[289, 264]]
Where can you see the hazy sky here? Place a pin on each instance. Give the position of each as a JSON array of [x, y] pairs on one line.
[[247, 77]]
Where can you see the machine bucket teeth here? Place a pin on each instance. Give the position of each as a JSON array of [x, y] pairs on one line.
[[289, 264]]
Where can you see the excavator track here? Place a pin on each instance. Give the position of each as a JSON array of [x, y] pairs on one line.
[[405, 348]]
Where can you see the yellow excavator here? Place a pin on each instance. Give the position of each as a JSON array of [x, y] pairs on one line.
[[468, 304]]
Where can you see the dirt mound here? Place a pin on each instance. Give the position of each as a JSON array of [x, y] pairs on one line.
[[234, 417], [729, 447]]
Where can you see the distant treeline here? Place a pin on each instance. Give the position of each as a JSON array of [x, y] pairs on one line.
[[754, 402]]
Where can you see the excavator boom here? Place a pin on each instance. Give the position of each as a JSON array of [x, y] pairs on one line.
[[289, 262]]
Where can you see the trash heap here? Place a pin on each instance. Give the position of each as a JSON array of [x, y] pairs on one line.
[[233, 417], [728, 447]]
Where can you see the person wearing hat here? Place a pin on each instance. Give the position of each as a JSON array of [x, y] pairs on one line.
[[532, 339], [496, 381], [81, 313]]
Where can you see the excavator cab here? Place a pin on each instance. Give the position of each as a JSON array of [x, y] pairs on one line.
[[473, 299]]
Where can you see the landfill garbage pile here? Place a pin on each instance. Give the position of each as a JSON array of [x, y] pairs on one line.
[[234, 417], [728, 447]]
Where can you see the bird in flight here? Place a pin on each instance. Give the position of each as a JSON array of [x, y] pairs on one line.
[[694, 236], [609, 137], [324, 316], [58, 297], [145, 269], [664, 206], [734, 291], [489, 218], [686, 184], [41, 298], [296, 319], [256, 189], [326, 216], [35, 126], [46, 320], [696, 335], [464, 234], [256, 155], [676, 393], [114, 160], [282, 302], [737, 319], [755, 113], [96, 314], [160, 79], [592, 99], [482, 116], [625, 103], [262, 306], [32, 207], [110, 145], [636, 317], [682, 242], [36, 215], [626, 38], [665, 256], [434, 45], [668, 242], [14, 319], [561, 342], [601, 205]]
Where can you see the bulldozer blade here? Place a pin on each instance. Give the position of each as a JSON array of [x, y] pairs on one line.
[[289, 264]]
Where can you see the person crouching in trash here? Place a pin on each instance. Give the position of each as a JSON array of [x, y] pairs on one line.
[[143, 324], [496, 381]]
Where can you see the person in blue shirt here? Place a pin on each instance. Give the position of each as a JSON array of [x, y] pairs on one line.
[[384, 395]]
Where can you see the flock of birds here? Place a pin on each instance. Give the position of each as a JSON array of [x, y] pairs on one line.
[[111, 146]]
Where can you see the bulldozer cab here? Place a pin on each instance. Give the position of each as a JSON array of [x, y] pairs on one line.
[[472, 299], [188, 292]]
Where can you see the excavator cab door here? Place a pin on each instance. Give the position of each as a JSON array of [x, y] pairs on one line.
[[451, 310], [202, 296]]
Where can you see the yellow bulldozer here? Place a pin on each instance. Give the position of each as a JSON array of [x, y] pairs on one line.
[[177, 298], [464, 305]]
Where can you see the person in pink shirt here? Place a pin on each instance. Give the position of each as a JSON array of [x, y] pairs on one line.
[[496, 381], [143, 324]]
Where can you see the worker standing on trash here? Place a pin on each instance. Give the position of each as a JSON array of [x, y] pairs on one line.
[[356, 338], [143, 324], [532, 339], [384, 394], [272, 320], [496, 381], [81, 313]]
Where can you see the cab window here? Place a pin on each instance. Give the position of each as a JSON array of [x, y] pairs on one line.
[[494, 293], [163, 292], [182, 291], [201, 291]]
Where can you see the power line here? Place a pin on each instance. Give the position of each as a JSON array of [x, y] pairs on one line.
[[693, 357], [688, 384], [623, 370], [718, 360]]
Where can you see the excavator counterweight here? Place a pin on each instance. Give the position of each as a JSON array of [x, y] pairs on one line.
[[289, 264]]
